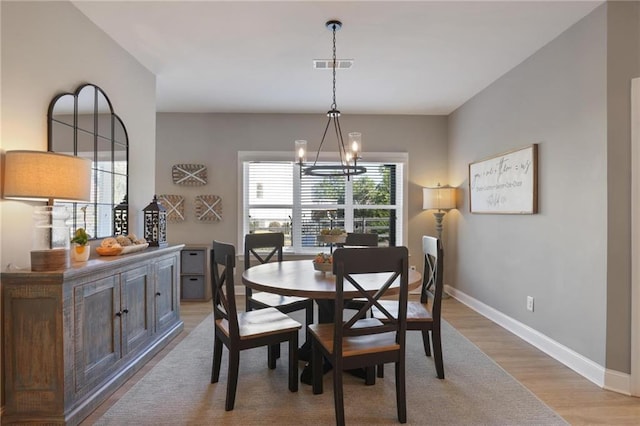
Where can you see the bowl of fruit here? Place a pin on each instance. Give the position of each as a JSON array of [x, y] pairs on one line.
[[323, 262], [332, 236]]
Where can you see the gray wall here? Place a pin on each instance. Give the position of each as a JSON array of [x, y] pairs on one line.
[[49, 48], [572, 98], [215, 139]]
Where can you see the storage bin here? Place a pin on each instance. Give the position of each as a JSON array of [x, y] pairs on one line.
[[192, 287], [193, 262]]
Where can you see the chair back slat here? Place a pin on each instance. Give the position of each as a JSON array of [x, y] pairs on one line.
[[223, 258], [368, 301], [432, 277], [348, 263], [274, 241]]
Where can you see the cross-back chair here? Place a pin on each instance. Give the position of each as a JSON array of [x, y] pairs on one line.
[[419, 315], [362, 342], [272, 244], [358, 239], [244, 330]]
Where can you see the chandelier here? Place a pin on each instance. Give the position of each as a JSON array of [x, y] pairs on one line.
[[348, 154]]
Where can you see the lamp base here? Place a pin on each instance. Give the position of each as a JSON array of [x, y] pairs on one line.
[[439, 215], [49, 260]]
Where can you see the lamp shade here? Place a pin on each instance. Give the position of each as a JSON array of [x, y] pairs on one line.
[[42, 175], [439, 198]]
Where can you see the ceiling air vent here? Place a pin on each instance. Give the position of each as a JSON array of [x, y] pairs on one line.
[[327, 64]]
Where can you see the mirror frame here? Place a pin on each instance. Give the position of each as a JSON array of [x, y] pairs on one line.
[[84, 124]]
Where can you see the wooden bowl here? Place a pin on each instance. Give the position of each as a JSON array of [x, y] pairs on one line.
[[109, 251], [323, 267]]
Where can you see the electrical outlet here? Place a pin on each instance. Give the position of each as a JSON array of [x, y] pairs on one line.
[[530, 303]]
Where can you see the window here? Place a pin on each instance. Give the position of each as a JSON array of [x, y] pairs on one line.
[[277, 199]]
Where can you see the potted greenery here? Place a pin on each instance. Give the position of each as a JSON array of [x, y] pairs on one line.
[[81, 248]]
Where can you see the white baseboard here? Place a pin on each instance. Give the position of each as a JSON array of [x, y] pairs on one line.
[[616, 381], [612, 380], [608, 379]]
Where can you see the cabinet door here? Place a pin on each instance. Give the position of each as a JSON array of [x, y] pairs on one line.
[[136, 305], [33, 364], [97, 330], [166, 295]]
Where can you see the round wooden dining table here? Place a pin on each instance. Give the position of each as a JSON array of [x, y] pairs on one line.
[[299, 278]]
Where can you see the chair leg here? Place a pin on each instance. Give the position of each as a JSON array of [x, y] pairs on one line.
[[272, 355], [401, 392], [293, 362], [437, 352], [232, 379], [380, 371], [217, 358], [338, 396], [308, 320], [370, 376], [425, 342], [247, 300], [316, 368]]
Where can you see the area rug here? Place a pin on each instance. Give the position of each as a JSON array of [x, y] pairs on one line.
[[476, 391]]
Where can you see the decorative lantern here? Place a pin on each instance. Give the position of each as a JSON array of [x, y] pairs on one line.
[[121, 218], [155, 224]]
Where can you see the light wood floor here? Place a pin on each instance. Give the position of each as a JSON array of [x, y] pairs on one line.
[[576, 399]]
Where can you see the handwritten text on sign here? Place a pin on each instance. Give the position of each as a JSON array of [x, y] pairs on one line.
[[505, 183]]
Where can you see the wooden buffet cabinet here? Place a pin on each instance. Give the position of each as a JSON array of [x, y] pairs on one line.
[[72, 337]]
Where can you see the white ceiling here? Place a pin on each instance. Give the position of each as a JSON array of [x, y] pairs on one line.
[[414, 57]]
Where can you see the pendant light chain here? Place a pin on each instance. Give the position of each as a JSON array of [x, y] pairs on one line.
[[334, 105]]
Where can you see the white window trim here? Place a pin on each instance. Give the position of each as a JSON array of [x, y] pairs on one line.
[[392, 157]]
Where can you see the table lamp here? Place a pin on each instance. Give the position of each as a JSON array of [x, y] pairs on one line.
[[41, 175], [440, 198]]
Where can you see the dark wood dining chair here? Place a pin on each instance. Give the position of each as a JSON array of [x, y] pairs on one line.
[[359, 239], [421, 316], [272, 244], [244, 330], [361, 342]]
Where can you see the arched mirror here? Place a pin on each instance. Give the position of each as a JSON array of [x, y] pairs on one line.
[[84, 124]]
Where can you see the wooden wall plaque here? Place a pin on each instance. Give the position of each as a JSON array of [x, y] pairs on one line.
[[189, 174]]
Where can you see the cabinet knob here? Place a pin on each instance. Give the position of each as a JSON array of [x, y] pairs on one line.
[[158, 294], [119, 314], [125, 311]]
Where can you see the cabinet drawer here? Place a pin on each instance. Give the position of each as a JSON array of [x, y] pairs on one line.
[[192, 287], [193, 261]]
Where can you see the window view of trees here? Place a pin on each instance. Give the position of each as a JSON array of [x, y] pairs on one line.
[[365, 203]]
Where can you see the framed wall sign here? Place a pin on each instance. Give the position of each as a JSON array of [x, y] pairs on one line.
[[506, 183]]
